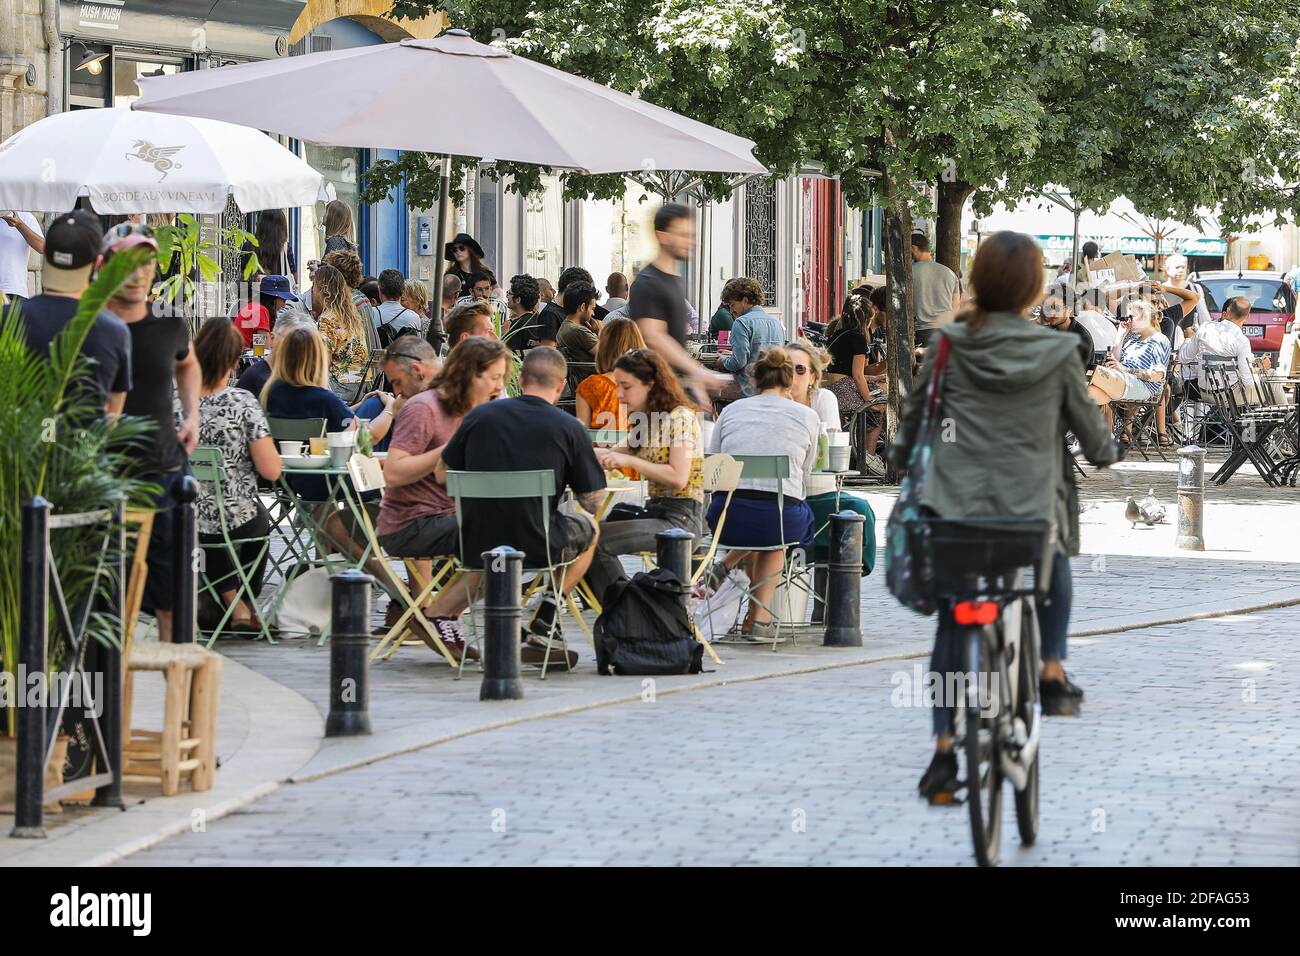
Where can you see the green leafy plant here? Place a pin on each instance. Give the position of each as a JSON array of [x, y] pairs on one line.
[[184, 254], [56, 443]]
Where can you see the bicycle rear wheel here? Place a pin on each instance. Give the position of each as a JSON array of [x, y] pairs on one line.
[[1027, 799], [983, 772]]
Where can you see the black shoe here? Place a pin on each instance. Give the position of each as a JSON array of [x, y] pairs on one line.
[[939, 784], [1060, 698]]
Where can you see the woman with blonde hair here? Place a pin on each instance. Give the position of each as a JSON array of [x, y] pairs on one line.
[[806, 389], [298, 388], [342, 328], [339, 231], [597, 404]]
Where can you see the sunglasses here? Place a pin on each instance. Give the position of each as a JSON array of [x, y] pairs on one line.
[[801, 370], [459, 248]]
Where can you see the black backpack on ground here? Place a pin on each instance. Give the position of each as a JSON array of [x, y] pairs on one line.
[[644, 628]]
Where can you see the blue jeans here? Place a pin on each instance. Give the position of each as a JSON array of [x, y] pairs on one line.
[[1053, 627]]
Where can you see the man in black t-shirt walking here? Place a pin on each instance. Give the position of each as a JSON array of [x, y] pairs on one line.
[[658, 303], [162, 361]]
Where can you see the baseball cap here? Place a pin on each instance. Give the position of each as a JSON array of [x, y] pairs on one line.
[[72, 243], [125, 235]]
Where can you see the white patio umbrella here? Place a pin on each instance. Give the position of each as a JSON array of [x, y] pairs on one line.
[[453, 96], [130, 162]]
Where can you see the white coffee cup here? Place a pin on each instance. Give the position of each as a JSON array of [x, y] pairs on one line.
[[291, 449]]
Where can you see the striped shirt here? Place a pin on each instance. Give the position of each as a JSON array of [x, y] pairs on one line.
[[1144, 355]]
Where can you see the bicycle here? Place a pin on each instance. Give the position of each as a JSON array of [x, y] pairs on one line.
[[997, 717]]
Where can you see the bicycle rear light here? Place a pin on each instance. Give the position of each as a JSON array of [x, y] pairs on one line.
[[975, 612]]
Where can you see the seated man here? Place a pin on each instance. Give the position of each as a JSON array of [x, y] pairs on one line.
[[1223, 338], [523, 434], [467, 319], [752, 330], [416, 517]]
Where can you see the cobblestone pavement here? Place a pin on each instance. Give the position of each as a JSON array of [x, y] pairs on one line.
[[1185, 755]]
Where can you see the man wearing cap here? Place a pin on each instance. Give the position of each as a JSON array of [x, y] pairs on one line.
[[161, 361], [72, 244]]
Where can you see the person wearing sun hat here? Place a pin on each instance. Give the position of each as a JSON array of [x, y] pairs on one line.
[[273, 293], [72, 252], [466, 258], [163, 363]]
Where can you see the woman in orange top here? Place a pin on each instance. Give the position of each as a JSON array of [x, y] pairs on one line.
[[597, 399]]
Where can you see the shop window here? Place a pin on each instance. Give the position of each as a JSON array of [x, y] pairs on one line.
[[341, 166], [127, 73]]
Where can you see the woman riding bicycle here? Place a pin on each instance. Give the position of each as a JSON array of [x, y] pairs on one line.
[[1011, 389]]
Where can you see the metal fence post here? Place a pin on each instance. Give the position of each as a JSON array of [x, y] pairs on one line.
[[1191, 498], [844, 581], [29, 792], [349, 657], [109, 664], [503, 568], [184, 585]]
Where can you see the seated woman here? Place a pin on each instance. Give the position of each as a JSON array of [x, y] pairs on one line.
[[852, 373], [598, 404], [296, 389], [343, 329], [231, 420], [1135, 369], [664, 443], [768, 423]]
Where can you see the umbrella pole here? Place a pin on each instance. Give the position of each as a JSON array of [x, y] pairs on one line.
[[440, 241]]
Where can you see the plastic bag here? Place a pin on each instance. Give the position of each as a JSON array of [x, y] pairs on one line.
[[305, 608], [715, 615]]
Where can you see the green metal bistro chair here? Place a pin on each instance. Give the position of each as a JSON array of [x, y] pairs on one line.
[[296, 550], [538, 486], [296, 429], [775, 468], [367, 475], [208, 467]]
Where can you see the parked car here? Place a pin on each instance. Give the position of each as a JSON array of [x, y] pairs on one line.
[[1272, 303]]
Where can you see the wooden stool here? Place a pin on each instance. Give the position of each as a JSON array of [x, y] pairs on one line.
[[187, 742]]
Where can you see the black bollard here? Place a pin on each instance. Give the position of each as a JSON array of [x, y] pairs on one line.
[[503, 568], [673, 553], [184, 585], [33, 625], [349, 654], [844, 581], [108, 661]]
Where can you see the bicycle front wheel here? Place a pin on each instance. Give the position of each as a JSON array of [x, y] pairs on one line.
[[983, 772]]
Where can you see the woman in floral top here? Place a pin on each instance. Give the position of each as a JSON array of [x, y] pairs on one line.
[[665, 445], [341, 326], [231, 420]]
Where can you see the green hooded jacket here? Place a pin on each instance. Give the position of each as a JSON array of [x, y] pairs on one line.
[[1010, 392]]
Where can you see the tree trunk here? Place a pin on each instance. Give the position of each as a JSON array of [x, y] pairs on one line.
[[902, 327], [947, 225]]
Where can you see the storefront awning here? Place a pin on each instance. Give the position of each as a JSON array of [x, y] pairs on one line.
[[1138, 245], [243, 28]]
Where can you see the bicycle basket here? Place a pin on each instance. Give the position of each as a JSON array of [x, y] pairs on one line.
[[956, 550]]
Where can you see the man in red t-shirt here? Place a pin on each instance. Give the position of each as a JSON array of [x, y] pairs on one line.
[[416, 516]]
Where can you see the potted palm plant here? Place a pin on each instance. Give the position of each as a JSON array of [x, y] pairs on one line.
[[56, 443]]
